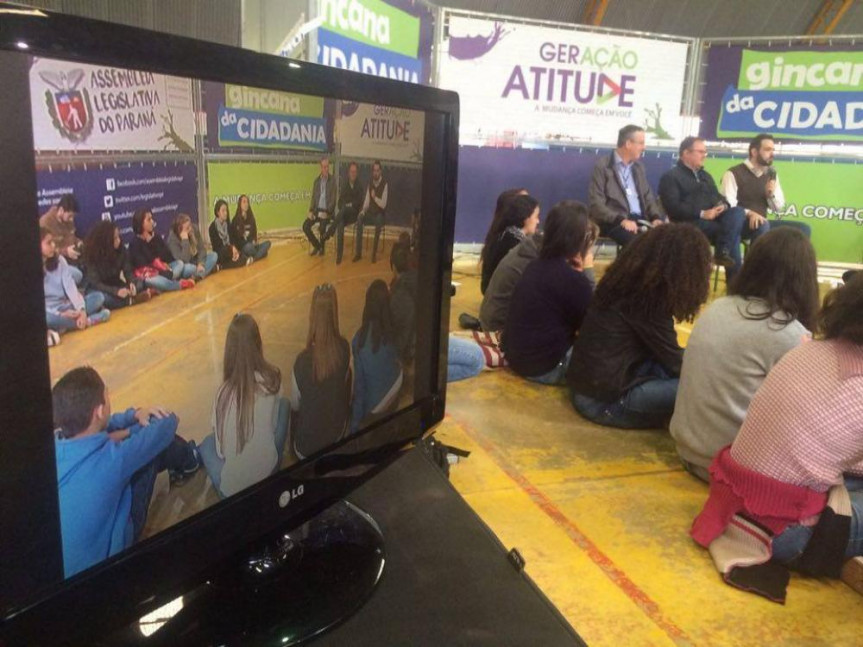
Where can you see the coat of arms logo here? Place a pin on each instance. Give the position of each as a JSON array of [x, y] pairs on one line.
[[69, 107]]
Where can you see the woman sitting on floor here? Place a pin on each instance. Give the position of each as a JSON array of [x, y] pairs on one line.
[[151, 259], [185, 244], [377, 371], [770, 308], [108, 268], [518, 219], [221, 238], [250, 416], [321, 378], [550, 300], [788, 489], [246, 231], [65, 307], [626, 360]]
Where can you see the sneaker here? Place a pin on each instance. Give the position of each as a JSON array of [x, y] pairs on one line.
[[195, 463], [250, 260], [53, 338], [100, 317], [724, 259], [186, 284]]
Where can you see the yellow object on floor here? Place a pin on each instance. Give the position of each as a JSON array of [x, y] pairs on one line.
[[602, 518]]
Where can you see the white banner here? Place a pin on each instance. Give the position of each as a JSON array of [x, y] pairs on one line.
[[524, 82], [91, 107], [381, 132]]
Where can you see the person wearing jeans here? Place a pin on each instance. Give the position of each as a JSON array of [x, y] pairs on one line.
[[648, 404], [151, 259], [246, 231], [464, 359], [626, 360], [186, 245]]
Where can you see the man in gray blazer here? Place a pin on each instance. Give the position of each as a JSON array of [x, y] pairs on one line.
[[321, 209], [619, 194]]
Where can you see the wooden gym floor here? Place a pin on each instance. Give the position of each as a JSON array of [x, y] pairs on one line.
[[600, 515]]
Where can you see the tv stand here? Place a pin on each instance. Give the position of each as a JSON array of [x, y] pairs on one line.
[[294, 588]]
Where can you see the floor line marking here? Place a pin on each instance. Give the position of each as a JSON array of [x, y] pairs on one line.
[[641, 599]]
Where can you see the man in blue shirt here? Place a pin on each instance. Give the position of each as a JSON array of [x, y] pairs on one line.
[[106, 467], [619, 194]]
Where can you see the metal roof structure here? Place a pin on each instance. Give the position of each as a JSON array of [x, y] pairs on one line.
[[692, 18]]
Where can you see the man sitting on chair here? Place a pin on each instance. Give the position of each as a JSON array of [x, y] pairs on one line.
[[619, 194], [350, 201], [373, 211], [689, 194], [321, 208]]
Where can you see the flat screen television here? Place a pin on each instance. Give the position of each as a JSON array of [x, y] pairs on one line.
[[137, 135]]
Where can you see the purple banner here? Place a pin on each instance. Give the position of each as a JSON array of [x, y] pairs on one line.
[[549, 176], [114, 192]]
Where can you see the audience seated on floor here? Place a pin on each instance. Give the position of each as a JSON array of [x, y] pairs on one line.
[[106, 467], [245, 229], [770, 309], [223, 240], [185, 244], [65, 307], [151, 259], [109, 269], [550, 300], [378, 374], [403, 299], [518, 220], [788, 491], [60, 221], [626, 361], [495, 300], [321, 379], [250, 414]]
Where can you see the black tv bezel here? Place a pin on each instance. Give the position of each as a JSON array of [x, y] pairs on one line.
[[33, 602]]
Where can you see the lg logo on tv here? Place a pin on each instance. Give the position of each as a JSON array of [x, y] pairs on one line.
[[289, 495]]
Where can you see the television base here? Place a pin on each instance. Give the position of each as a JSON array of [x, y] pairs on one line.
[[304, 583]]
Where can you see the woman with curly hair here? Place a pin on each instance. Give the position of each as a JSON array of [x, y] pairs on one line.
[[626, 361], [109, 270], [792, 477]]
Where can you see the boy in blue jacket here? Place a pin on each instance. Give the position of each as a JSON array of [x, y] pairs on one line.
[[106, 467]]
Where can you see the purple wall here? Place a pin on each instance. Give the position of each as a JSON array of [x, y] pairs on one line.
[[549, 176]]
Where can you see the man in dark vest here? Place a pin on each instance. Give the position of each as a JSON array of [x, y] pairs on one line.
[[689, 194], [754, 185], [619, 193], [373, 212]]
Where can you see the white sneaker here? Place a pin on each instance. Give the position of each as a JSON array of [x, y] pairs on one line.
[[53, 338]]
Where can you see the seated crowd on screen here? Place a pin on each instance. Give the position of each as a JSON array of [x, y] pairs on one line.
[[765, 403]]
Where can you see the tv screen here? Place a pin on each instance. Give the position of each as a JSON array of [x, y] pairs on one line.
[[226, 298]]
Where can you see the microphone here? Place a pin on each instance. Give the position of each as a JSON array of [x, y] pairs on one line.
[[771, 173]]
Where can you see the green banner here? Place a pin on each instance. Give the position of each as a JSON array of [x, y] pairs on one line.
[[800, 71], [826, 196], [279, 192], [242, 97], [373, 22]]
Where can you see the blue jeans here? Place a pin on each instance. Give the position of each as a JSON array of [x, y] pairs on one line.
[[464, 359], [93, 303], [191, 269], [213, 464], [647, 405], [257, 250], [791, 543], [163, 283], [726, 232], [557, 375]]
